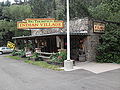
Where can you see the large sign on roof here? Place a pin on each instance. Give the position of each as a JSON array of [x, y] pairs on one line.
[[40, 23]]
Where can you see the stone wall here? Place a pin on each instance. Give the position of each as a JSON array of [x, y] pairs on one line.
[[76, 26], [91, 43]]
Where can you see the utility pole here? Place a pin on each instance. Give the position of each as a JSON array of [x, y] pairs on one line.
[[68, 64]]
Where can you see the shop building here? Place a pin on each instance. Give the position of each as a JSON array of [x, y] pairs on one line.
[[84, 37]]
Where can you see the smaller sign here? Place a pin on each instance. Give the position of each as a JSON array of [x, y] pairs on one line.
[[28, 54], [10, 45], [99, 27]]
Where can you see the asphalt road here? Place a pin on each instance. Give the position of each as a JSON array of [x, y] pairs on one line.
[[17, 75]]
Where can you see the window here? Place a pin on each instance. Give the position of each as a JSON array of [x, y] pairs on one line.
[[3, 48]]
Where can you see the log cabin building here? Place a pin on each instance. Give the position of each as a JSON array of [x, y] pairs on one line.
[[84, 37]]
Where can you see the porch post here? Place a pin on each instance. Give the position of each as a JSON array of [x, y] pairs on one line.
[[62, 43], [68, 64], [15, 41]]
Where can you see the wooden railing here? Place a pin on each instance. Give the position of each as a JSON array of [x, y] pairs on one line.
[[45, 55]]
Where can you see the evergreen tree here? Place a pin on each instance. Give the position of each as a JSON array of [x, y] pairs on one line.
[[109, 50]]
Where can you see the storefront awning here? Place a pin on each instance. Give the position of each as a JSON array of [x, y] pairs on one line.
[[44, 35]]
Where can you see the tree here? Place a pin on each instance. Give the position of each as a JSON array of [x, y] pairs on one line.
[[107, 10], [17, 12], [49, 8], [78, 9], [38, 8], [9, 16], [57, 8], [109, 49], [9, 30]]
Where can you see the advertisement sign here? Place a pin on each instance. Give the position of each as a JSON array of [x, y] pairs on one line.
[[99, 27], [40, 23], [10, 45]]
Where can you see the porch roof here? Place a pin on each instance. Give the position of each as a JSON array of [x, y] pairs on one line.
[[44, 35]]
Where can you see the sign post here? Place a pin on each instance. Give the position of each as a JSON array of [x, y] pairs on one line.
[[68, 64]]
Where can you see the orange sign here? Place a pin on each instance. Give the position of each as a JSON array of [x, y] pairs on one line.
[[99, 27], [40, 23]]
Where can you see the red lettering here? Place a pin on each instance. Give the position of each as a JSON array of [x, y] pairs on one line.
[[35, 24], [41, 24]]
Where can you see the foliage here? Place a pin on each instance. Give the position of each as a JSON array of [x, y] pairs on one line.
[[57, 8], [17, 12], [106, 10], [35, 55], [8, 30], [48, 8], [59, 57], [14, 53], [9, 16], [5, 31], [78, 9], [109, 50], [20, 53], [38, 8]]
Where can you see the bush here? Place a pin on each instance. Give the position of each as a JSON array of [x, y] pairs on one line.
[[14, 53], [109, 50], [36, 57], [18, 53], [59, 57], [22, 53]]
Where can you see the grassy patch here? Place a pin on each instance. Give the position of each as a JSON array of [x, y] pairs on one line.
[[44, 65], [37, 63]]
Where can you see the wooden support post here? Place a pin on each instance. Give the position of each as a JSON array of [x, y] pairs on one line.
[[62, 43]]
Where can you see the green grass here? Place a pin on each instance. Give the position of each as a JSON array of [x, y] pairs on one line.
[[42, 64]]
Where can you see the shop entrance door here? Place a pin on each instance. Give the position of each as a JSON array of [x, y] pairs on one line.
[[78, 48]]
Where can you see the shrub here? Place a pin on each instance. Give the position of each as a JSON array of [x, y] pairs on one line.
[[109, 50], [18, 53], [59, 57], [22, 53], [14, 53], [36, 57]]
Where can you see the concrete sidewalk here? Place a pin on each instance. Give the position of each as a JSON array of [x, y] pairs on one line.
[[96, 67]]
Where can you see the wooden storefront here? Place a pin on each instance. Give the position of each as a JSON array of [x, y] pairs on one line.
[[84, 39]]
